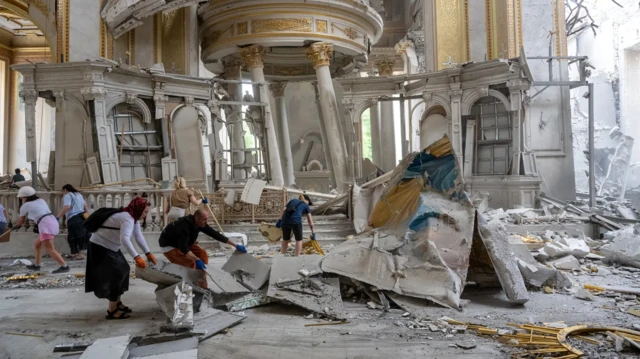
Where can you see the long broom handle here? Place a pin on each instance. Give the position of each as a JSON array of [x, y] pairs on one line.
[[211, 211]]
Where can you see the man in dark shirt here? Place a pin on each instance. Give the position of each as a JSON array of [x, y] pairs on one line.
[[179, 240], [291, 221], [18, 177]]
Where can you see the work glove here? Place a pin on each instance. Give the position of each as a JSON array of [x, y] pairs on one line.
[[240, 248], [279, 224], [205, 200], [200, 265], [140, 262], [151, 258], [313, 236]]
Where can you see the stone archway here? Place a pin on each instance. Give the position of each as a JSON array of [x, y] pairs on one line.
[[188, 142], [433, 126]]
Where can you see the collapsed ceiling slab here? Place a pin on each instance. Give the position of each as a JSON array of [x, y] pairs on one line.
[[120, 16]]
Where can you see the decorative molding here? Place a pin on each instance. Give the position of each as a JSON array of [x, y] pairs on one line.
[[277, 88], [320, 54], [253, 56], [29, 96], [132, 47], [402, 46], [385, 65], [94, 93], [276, 25], [242, 28], [349, 31], [232, 67], [130, 98], [40, 5], [321, 26], [189, 101]]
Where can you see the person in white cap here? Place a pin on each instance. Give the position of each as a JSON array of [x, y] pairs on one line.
[[37, 210]]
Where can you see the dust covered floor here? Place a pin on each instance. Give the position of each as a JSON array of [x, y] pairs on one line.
[[68, 315]]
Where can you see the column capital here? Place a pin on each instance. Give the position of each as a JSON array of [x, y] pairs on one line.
[[385, 65], [94, 93], [402, 46], [277, 88], [29, 96], [232, 67], [320, 54], [456, 95], [252, 56]]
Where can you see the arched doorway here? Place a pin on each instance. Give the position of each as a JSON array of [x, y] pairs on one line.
[[433, 126], [494, 136]]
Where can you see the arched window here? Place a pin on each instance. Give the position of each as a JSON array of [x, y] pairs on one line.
[[140, 147], [493, 140]]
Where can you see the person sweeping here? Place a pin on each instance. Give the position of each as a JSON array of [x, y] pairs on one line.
[[107, 274], [291, 221]]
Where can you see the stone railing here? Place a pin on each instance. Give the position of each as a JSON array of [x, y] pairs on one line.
[[96, 199], [270, 208]]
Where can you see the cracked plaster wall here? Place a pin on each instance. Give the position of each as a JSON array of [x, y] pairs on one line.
[[615, 53]]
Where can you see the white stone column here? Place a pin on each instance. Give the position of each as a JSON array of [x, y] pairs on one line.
[[376, 140], [252, 56], [30, 98], [387, 127], [104, 128], [233, 71], [323, 132], [456, 125], [277, 90], [320, 54], [516, 87]]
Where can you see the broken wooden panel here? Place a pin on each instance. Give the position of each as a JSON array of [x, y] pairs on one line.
[[318, 295], [248, 270], [496, 241]]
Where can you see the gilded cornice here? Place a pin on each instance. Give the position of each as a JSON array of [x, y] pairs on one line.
[[253, 56], [320, 54]]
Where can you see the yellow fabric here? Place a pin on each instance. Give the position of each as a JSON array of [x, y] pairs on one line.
[[440, 148], [397, 205]]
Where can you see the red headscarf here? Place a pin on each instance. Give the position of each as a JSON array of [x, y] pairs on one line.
[[136, 207]]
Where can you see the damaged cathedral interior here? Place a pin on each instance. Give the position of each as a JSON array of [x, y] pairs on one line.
[[334, 178]]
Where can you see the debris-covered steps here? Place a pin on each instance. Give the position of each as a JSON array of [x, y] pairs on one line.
[[332, 229]]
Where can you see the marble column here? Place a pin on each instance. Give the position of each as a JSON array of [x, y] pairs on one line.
[[320, 54], [233, 71], [252, 57], [376, 140], [323, 132], [387, 126], [106, 140], [456, 125], [30, 98], [516, 88], [284, 142]]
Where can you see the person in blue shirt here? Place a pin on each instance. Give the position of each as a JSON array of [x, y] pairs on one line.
[[74, 209], [291, 221]]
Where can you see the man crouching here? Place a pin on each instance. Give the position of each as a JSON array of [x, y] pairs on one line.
[[179, 239]]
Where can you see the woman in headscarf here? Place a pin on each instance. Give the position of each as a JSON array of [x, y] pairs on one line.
[[107, 269], [180, 200], [75, 208]]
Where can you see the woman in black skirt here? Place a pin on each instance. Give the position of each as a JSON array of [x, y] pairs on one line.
[[75, 208], [107, 269]]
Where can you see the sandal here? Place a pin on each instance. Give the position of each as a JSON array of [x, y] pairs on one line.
[[123, 308], [111, 316]]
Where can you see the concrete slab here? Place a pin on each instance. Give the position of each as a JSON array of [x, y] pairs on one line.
[[326, 300], [566, 263], [496, 241], [108, 348], [188, 354], [419, 308], [169, 347], [623, 249], [211, 321], [176, 302], [248, 270]]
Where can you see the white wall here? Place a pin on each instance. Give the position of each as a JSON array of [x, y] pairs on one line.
[[615, 54], [84, 30], [547, 124]]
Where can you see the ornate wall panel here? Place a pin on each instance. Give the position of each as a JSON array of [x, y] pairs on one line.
[[452, 40], [504, 28], [174, 41]]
